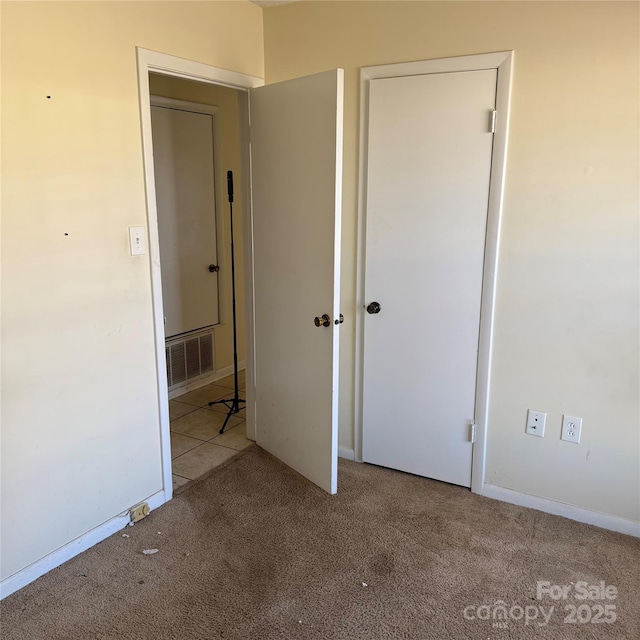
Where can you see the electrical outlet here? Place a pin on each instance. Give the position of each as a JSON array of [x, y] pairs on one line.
[[571, 429], [536, 421], [139, 512]]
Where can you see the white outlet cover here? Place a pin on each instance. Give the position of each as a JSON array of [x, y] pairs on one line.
[[536, 421], [571, 429], [137, 241]]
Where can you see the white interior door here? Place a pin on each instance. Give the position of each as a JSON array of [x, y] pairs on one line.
[[429, 162], [296, 157], [183, 156]]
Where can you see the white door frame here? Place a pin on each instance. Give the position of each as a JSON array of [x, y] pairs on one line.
[[153, 61], [503, 63]]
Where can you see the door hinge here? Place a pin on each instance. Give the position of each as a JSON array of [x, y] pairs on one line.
[[494, 115], [472, 431]]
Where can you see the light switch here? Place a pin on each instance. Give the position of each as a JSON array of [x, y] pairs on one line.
[[535, 423], [136, 241]]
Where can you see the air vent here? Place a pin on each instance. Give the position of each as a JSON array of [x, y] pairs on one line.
[[178, 364], [192, 349], [188, 357], [206, 352]]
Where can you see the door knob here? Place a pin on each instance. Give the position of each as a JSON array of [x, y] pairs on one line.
[[323, 321], [214, 268], [373, 307]]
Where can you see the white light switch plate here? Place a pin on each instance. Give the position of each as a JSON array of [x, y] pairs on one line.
[[536, 421], [571, 429], [136, 241]]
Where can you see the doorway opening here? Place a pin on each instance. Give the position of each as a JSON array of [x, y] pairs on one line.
[[291, 187], [158, 69], [196, 140]]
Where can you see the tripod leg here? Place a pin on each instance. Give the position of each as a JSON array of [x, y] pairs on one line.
[[224, 402], [224, 425]]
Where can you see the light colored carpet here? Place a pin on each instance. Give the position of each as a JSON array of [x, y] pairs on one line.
[[255, 551]]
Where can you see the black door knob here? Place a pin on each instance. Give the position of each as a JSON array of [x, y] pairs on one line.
[[214, 268], [373, 307]]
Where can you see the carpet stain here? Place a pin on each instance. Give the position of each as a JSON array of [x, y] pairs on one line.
[[253, 550]]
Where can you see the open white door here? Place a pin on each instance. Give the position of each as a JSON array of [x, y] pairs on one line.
[[296, 158]]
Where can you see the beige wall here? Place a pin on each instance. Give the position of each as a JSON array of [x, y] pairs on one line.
[[80, 439], [229, 158], [566, 334], [80, 425]]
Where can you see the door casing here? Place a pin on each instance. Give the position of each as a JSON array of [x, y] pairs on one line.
[[503, 63], [165, 64]]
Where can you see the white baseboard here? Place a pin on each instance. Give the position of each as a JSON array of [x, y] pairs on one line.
[[604, 520], [59, 556], [202, 382], [347, 454]]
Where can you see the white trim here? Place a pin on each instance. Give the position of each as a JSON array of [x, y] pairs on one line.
[[70, 550], [337, 260], [476, 62], [346, 453], [361, 242], [152, 61], [184, 105], [204, 381], [503, 63], [247, 251], [169, 65], [595, 518], [156, 283], [490, 273]]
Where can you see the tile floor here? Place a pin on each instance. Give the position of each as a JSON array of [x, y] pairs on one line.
[[196, 446]]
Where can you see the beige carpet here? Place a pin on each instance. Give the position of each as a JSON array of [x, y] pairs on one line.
[[255, 551]]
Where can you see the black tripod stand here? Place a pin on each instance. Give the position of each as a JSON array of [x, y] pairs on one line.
[[233, 404]]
